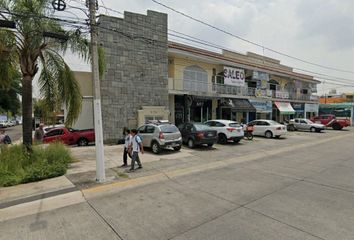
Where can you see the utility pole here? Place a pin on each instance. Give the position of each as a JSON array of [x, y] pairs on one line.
[[100, 168]]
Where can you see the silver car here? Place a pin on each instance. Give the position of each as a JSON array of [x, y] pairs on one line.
[[160, 135], [303, 124]]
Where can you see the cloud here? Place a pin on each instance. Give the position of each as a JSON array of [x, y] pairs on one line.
[[328, 22]]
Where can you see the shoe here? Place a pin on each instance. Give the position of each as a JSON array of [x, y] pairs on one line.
[[140, 167], [123, 165], [131, 170]]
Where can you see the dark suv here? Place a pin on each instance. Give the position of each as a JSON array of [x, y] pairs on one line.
[[158, 135]]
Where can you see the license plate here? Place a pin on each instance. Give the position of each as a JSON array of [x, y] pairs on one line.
[[174, 145], [210, 134]]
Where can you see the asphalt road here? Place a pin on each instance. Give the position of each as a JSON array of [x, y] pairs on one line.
[[300, 187]]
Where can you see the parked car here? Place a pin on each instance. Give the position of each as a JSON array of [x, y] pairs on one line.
[[196, 134], [267, 128], [70, 136], [3, 124], [304, 124], [159, 135], [10, 123], [330, 120], [226, 130]]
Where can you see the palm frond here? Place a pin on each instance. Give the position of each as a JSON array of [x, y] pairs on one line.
[[59, 86]]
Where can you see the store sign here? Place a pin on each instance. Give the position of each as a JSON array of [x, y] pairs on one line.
[[234, 76], [263, 93], [311, 107], [313, 98], [282, 94], [262, 106], [298, 107]]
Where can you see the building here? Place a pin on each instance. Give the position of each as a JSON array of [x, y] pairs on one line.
[[337, 98], [147, 77]]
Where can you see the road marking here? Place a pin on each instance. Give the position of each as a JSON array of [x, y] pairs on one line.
[[119, 186]]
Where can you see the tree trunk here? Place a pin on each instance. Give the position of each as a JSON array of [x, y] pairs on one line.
[[27, 110]]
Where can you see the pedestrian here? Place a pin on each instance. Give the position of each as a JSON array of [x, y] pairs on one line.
[[5, 139], [39, 133], [2, 136], [136, 146], [127, 141]]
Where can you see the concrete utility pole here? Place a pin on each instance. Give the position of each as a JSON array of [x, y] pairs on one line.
[[100, 168]]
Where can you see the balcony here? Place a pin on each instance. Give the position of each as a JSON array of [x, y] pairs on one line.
[[215, 89]]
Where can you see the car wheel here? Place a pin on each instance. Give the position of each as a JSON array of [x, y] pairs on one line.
[[312, 129], [177, 148], [222, 138], [82, 142], [155, 147], [210, 144], [268, 134], [318, 130], [190, 143], [292, 128], [337, 126]]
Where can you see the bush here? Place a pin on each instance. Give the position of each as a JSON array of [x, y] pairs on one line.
[[19, 166]]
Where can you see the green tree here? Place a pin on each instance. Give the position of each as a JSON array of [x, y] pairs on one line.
[[27, 47], [9, 97]]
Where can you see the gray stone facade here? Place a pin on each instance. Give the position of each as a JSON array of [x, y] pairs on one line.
[[136, 72]]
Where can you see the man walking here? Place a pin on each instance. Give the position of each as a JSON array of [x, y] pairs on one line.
[[127, 142], [136, 146], [39, 133]]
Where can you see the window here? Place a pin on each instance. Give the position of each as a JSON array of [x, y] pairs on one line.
[[210, 123], [297, 120], [219, 124], [152, 118], [195, 78], [149, 129], [141, 129], [303, 121], [169, 128], [56, 132]]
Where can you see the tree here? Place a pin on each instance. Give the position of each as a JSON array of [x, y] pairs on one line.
[[9, 101], [27, 47]]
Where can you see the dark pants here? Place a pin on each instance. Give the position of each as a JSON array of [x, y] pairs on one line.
[[125, 156], [136, 158]]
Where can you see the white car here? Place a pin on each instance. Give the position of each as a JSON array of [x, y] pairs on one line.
[[226, 130], [3, 124], [267, 128]]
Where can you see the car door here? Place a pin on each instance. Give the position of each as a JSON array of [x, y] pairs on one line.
[[142, 133], [262, 127], [304, 125], [149, 134], [53, 135]]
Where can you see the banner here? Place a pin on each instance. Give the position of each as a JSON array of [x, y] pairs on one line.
[[234, 76]]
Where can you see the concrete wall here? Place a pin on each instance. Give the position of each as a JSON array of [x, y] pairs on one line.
[[136, 68]]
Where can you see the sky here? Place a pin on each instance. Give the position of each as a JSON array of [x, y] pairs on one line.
[[318, 31]]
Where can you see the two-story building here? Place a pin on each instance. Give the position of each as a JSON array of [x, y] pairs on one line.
[[148, 77], [206, 85]]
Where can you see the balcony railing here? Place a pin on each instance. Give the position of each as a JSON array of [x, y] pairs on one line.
[[239, 91]]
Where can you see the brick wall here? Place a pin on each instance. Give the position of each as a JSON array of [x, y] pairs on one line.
[[136, 72]]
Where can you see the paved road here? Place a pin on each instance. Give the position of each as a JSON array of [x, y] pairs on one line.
[[301, 187]]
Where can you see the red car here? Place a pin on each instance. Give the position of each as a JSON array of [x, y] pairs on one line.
[[330, 120], [70, 136]]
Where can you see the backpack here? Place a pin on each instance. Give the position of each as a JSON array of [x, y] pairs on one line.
[[7, 139]]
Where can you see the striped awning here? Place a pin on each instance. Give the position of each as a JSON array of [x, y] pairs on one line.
[[285, 108]]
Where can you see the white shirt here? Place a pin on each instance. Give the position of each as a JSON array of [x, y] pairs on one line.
[[127, 140], [136, 140]]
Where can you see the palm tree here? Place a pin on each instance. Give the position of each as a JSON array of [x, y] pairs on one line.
[[30, 52]]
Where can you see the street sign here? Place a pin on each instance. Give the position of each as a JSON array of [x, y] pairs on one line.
[[59, 5]]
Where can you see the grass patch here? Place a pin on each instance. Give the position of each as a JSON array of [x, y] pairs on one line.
[[19, 166]]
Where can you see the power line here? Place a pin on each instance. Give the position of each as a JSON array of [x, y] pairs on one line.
[[250, 42]]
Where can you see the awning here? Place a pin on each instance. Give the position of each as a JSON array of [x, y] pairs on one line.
[[262, 106], [285, 108], [242, 105]]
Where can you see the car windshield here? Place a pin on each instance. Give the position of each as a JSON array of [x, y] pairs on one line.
[[168, 128], [234, 124], [201, 127]]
